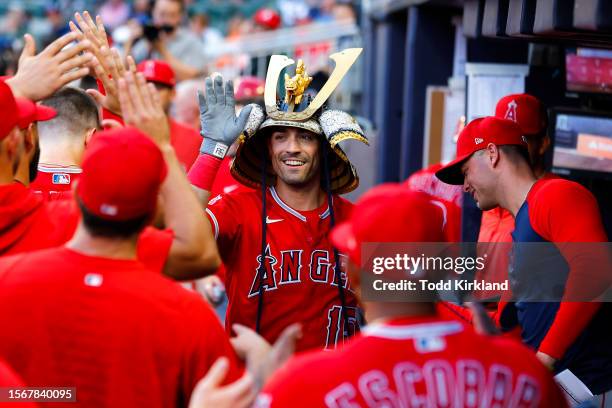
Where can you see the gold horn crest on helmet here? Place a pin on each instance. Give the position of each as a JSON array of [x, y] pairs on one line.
[[343, 59]]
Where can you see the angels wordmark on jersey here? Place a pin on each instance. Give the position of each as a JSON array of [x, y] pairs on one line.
[[298, 278]]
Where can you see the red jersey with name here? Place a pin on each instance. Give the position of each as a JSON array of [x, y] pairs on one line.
[[449, 198], [122, 336], [298, 283], [410, 362], [28, 223], [55, 182], [186, 142]]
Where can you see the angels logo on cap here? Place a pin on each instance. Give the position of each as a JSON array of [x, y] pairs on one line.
[[511, 112], [149, 68]]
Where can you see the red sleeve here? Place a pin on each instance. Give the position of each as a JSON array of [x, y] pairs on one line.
[[224, 212], [566, 213], [208, 342], [9, 379], [154, 248]]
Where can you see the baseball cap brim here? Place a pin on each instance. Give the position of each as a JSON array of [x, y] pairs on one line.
[[30, 112], [451, 173]]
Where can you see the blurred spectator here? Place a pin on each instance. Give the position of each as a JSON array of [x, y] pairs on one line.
[[167, 40], [185, 108], [199, 25], [14, 21], [141, 10], [114, 13], [8, 58], [294, 12]]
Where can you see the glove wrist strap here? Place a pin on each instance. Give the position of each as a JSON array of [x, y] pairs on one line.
[[213, 148]]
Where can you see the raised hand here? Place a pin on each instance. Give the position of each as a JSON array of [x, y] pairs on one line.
[[141, 107], [93, 31], [108, 66], [109, 70], [39, 76], [220, 126]]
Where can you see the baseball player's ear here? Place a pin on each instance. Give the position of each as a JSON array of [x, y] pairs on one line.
[[90, 135]]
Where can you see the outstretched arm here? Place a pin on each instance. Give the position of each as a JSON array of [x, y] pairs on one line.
[[193, 253]]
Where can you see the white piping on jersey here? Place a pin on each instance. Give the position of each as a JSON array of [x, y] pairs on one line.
[[215, 222], [52, 169], [411, 331], [443, 207], [293, 212]]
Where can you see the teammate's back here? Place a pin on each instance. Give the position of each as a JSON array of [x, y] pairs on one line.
[[424, 361], [120, 334]]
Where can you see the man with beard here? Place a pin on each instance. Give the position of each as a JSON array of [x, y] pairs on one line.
[[280, 266]]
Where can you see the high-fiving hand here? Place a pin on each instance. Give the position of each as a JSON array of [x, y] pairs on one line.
[[108, 66], [39, 76], [220, 126], [141, 107]]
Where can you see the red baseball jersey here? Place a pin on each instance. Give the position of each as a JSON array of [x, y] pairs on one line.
[[186, 142], [410, 362], [225, 183], [55, 182], [299, 264], [9, 380], [124, 337], [28, 223], [450, 198]]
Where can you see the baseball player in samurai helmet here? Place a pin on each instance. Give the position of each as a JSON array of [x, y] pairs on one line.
[[298, 109]]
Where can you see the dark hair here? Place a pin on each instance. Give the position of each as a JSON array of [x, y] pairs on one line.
[[516, 153], [76, 111], [99, 227]]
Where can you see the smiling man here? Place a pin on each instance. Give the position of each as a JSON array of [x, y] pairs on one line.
[[493, 165], [281, 267]]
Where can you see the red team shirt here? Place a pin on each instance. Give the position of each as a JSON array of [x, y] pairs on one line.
[[410, 362], [55, 182], [9, 379], [28, 223], [122, 336], [186, 142], [299, 280]]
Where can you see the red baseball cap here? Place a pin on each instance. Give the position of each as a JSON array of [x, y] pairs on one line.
[[8, 107], [29, 112], [526, 110], [248, 88], [267, 18], [157, 71], [122, 173], [476, 136], [389, 213]]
